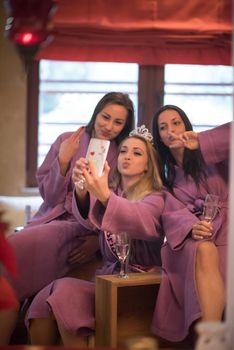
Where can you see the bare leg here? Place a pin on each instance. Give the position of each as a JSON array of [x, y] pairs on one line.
[[8, 320], [71, 340], [43, 331], [209, 282]]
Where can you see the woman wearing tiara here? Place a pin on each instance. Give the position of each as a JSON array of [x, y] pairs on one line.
[[136, 204]]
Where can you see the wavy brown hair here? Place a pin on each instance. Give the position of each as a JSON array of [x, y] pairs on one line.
[[149, 182]]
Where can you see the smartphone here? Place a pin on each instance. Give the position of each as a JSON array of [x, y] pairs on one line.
[[97, 152]]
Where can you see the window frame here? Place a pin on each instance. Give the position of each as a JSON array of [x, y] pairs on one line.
[[151, 93], [150, 98], [32, 122]]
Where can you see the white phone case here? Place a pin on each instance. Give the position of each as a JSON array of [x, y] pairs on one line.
[[97, 152]]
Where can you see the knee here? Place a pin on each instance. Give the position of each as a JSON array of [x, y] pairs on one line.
[[207, 255]]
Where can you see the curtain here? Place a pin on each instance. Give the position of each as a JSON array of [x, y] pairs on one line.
[[141, 31]]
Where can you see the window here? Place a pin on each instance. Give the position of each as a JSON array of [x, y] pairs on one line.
[[203, 92], [69, 92]]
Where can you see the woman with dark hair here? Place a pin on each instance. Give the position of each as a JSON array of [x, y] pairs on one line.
[[119, 99], [53, 242], [192, 166], [193, 162]]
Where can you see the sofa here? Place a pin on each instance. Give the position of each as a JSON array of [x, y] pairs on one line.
[[16, 208]]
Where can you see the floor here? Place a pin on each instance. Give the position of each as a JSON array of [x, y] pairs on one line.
[[20, 337]]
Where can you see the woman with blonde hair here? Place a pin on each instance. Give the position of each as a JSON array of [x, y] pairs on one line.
[[136, 204]]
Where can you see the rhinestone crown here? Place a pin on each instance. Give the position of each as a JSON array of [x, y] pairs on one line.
[[142, 131]]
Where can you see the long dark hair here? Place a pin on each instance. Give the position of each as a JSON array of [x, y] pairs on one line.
[[118, 98], [193, 162]]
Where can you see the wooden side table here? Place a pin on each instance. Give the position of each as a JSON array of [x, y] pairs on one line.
[[124, 307]]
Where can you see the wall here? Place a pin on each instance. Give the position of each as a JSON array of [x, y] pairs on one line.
[[13, 116]]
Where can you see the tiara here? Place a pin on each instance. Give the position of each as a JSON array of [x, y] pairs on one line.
[[143, 132]]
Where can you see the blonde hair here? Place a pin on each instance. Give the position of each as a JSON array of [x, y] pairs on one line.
[[150, 180]]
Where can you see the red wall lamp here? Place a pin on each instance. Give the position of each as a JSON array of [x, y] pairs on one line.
[[28, 24]]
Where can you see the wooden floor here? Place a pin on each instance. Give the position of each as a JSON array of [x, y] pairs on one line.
[[20, 338]]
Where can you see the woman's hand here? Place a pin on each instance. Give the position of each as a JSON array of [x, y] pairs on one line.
[[188, 139], [80, 184], [85, 251], [201, 230], [97, 185], [78, 170], [68, 148]]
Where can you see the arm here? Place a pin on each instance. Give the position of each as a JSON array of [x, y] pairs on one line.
[[93, 184], [80, 205], [177, 221], [215, 143], [67, 150], [88, 236], [52, 185], [53, 182], [78, 211], [81, 197], [141, 219]]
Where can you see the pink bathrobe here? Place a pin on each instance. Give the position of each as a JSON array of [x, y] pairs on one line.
[[177, 303], [72, 300], [42, 248]]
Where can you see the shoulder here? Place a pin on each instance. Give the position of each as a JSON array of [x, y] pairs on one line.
[[171, 202], [223, 129], [156, 197], [84, 137], [64, 136]]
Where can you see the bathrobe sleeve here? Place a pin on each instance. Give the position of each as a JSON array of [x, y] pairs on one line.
[[141, 219], [215, 143], [177, 221], [52, 185]]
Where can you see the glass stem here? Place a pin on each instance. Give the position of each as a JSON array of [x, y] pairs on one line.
[[122, 268]]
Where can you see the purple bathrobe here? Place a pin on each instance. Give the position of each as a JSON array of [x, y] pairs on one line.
[[42, 248], [72, 300], [177, 303]]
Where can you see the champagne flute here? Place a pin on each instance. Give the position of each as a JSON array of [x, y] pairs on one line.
[[210, 207], [122, 246]]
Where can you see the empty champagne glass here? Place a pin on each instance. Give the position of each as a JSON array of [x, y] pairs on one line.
[[210, 208], [122, 246]]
